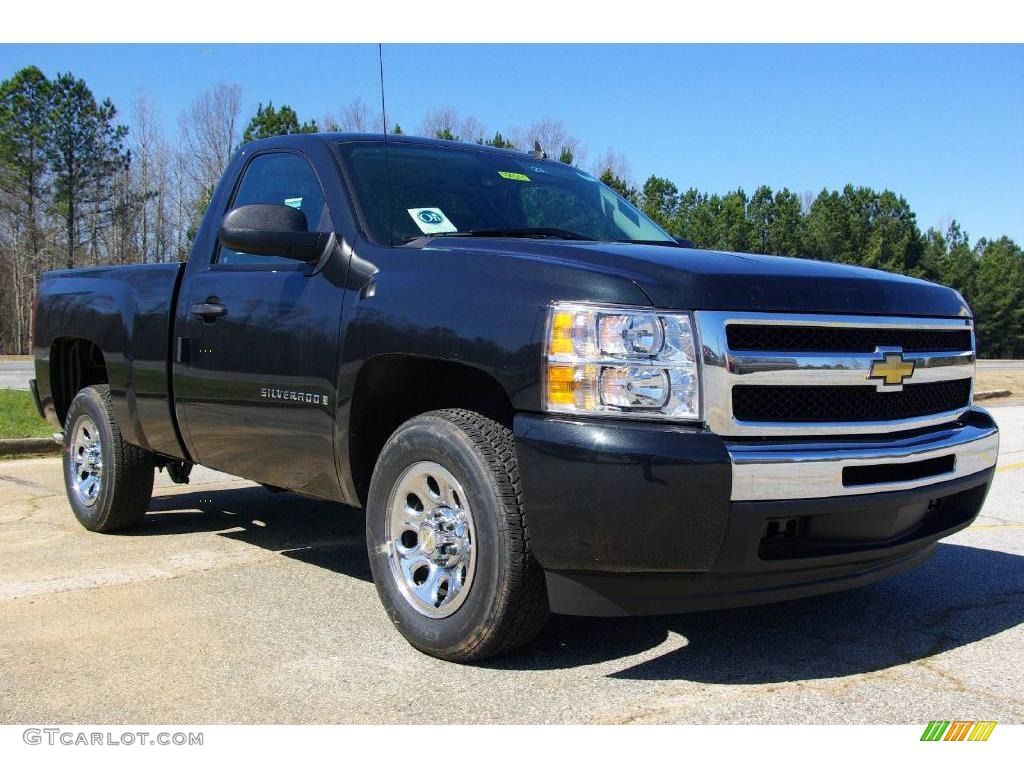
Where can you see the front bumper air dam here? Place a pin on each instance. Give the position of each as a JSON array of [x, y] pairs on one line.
[[612, 495], [637, 519]]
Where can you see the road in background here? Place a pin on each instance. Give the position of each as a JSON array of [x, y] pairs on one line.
[[232, 604], [14, 374], [1001, 365]]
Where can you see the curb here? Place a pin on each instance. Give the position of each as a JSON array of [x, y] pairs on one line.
[[987, 394], [38, 445]]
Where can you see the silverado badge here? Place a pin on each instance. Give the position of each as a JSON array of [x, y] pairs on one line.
[[891, 371]]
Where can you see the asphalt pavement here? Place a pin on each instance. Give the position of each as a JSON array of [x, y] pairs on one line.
[[15, 374], [235, 605]]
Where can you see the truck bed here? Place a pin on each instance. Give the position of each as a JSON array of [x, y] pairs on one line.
[[126, 312]]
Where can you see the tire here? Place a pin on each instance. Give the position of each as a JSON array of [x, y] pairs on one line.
[[478, 511], [109, 482]]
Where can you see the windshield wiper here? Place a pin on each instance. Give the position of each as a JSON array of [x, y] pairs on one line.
[[669, 243], [554, 232]]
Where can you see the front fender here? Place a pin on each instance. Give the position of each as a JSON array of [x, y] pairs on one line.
[[488, 311]]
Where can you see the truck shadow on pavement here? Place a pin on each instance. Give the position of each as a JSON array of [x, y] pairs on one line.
[[321, 533], [962, 595]]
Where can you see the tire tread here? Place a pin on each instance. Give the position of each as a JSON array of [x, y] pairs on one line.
[[520, 605], [131, 475], [526, 610]]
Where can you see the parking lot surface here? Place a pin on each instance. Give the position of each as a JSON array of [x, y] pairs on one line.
[[235, 605]]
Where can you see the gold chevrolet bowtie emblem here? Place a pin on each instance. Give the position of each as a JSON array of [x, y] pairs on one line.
[[892, 370]]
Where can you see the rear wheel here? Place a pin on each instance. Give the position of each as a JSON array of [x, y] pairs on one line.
[[449, 547], [109, 482]]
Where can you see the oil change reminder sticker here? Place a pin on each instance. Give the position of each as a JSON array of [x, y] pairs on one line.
[[513, 175], [431, 220]]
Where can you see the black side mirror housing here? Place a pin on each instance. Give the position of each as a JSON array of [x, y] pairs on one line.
[[273, 230]]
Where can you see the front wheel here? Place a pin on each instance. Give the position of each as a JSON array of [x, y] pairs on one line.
[[109, 482], [449, 547]]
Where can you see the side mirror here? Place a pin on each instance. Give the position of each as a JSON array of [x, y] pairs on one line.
[[273, 230]]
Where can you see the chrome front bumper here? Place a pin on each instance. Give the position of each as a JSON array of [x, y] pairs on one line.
[[811, 470]]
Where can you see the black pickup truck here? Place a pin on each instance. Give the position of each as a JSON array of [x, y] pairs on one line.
[[542, 400]]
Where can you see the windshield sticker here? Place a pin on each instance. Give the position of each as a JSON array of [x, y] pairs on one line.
[[513, 175], [293, 202], [431, 220]]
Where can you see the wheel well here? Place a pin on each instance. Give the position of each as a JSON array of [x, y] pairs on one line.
[[74, 365], [391, 389]]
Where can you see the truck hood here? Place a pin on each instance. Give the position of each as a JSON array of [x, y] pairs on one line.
[[684, 278]]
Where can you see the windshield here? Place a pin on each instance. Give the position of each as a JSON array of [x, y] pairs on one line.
[[438, 190]]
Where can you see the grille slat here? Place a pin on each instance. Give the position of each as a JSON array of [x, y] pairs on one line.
[[811, 338], [805, 404]]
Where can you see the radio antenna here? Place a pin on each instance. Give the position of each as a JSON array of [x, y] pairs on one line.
[[387, 156]]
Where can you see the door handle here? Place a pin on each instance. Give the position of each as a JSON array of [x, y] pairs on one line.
[[208, 310]]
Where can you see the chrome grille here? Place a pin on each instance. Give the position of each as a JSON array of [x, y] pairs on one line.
[[769, 374]]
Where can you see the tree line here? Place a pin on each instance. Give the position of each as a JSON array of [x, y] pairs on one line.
[[855, 225], [81, 186]]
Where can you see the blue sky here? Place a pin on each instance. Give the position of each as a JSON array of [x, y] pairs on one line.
[[941, 125]]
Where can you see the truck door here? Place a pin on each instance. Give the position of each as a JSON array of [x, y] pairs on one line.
[[257, 345]]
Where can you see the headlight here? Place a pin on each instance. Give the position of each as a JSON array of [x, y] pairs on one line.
[[617, 361]]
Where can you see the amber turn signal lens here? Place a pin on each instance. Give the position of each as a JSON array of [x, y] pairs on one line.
[[562, 384], [561, 334]]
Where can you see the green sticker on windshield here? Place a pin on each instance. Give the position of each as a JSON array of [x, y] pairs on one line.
[[513, 175]]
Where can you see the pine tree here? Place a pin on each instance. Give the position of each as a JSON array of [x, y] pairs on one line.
[[24, 112], [499, 141], [999, 301], [659, 200], [84, 148], [269, 121], [620, 185]]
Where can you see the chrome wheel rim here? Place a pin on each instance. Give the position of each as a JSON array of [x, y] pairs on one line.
[[431, 539], [85, 470]]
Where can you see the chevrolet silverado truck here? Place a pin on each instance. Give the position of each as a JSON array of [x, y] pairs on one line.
[[543, 401]]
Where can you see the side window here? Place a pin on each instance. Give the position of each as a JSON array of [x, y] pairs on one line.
[[281, 178]]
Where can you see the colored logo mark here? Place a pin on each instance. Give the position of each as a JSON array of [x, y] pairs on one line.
[[958, 730], [892, 369], [430, 217]]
